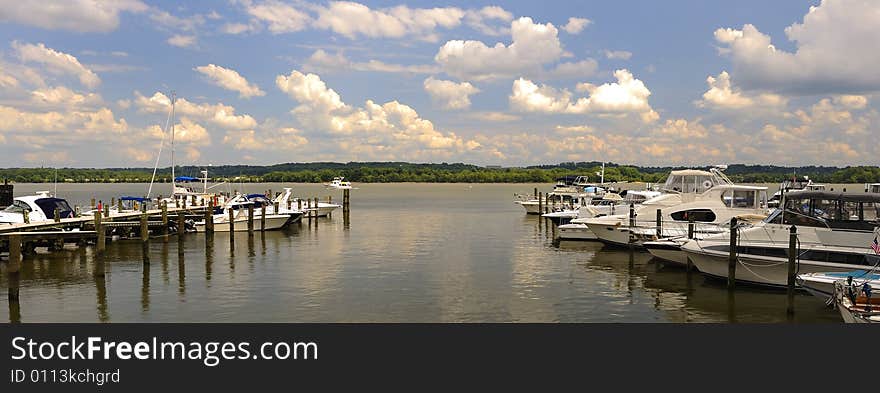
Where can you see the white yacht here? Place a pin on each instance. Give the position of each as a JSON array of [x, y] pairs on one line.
[[835, 231], [339, 183], [709, 198], [39, 208], [794, 184], [323, 209], [569, 191], [238, 205], [611, 204]]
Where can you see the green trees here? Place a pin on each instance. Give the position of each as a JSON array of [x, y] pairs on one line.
[[385, 172]]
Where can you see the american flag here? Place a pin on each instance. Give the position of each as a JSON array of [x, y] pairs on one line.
[[875, 245]]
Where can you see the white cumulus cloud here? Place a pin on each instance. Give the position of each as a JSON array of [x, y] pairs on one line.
[[230, 80], [449, 94]]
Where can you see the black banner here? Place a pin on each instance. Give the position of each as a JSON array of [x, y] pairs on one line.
[[416, 356]]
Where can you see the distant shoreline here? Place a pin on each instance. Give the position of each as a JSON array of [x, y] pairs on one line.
[[400, 172]]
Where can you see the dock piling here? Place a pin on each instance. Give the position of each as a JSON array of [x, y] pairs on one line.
[[632, 215], [540, 202], [181, 224], [250, 220], [101, 239], [57, 215], [792, 264], [165, 222], [690, 264], [659, 224], [209, 218], [14, 254], [263, 218], [732, 259]]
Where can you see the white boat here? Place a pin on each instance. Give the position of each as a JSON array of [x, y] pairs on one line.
[[323, 209], [873, 188], [610, 204], [834, 231], [710, 210], [39, 208], [569, 192], [239, 207], [793, 185], [821, 284], [338, 183], [855, 303]]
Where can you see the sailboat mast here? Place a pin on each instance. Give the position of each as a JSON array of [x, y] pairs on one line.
[[173, 181]]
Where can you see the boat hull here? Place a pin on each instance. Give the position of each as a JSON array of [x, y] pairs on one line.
[[667, 251], [273, 222], [575, 232], [766, 271]]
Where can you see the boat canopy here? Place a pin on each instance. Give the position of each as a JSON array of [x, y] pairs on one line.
[[185, 178], [134, 198], [48, 206], [844, 210]]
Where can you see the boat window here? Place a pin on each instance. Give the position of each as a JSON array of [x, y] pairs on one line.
[[744, 199], [763, 197], [727, 197], [849, 211], [871, 211], [699, 215], [825, 209], [17, 207]]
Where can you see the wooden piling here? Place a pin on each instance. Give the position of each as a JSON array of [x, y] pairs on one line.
[[231, 222], [632, 215], [14, 254], [690, 265], [299, 204], [263, 218], [101, 240], [165, 222], [659, 224], [290, 204], [732, 259], [540, 202], [536, 193], [107, 210], [316, 208], [26, 216], [145, 227], [119, 205], [250, 219], [792, 264], [181, 225], [346, 200], [209, 218]]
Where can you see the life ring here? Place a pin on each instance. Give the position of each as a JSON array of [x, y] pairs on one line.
[[707, 184]]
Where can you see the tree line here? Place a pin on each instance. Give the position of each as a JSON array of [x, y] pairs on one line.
[[385, 172]]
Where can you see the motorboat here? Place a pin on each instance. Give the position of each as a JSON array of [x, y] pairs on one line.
[[610, 204], [126, 204], [793, 184], [855, 303], [338, 183], [821, 284], [711, 210], [835, 231], [38, 208], [239, 207], [569, 191], [287, 202]]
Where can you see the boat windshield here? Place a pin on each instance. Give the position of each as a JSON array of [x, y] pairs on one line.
[[17, 207], [828, 212], [689, 183]]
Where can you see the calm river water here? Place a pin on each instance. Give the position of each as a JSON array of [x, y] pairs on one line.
[[410, 253]]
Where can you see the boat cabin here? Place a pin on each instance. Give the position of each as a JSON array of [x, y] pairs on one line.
[[826, 209], [692, 181], [40, 207]]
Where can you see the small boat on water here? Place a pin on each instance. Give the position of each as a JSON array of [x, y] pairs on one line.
[[286, 198], [855, 301], [339, 183], [239, 207], [35, 208]]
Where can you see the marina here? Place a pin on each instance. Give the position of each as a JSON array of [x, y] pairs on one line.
[[403, 253]]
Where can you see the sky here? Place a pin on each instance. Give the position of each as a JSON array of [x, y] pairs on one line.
[[685, 83]]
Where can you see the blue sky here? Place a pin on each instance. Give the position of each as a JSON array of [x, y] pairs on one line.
[[512, 83]]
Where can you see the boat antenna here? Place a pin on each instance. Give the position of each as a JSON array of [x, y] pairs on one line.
[[55, 193], [161, 145], [173, 180]]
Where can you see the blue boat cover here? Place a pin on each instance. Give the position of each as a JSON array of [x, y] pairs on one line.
[[134, 198], [185, 178], [860, 274]]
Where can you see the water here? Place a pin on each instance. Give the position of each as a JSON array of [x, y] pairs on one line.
[[410, 253]]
